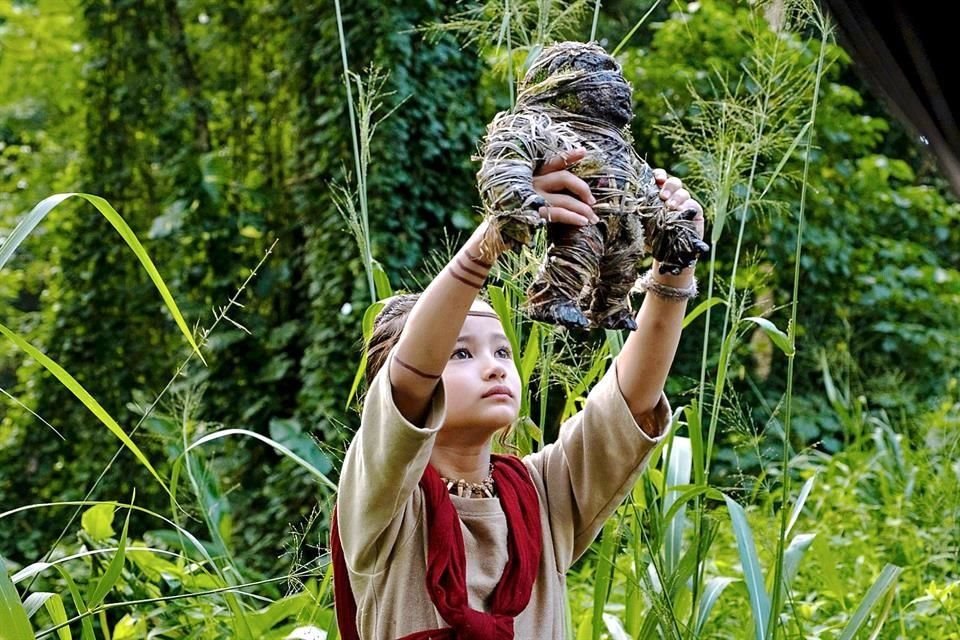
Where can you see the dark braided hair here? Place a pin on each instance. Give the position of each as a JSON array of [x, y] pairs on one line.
[[386, 331]]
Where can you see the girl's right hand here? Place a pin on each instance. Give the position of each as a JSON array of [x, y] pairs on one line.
[[568, 197]]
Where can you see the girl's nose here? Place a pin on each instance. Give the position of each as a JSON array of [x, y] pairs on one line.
[[495, 369]]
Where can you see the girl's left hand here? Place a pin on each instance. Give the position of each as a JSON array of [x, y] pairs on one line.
[[568, 197], [678, 198]]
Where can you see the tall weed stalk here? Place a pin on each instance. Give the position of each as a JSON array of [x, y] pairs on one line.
[[735, 139], [778, 591]]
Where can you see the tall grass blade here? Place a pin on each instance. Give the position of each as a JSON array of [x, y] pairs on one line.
[[597, 367], [531, 354], [678, 474], [615, 627], [604, 574], [632, 31], [752, 575], [77, 389], [798, 506], [686, 493], [500, 301], [701, 308], [528, 363], [711, 593], [794, 555], [112, 574], [244, 432], [695, 431], [14, 623], [779, 337], [381, 281], [40, 211], [368, 317], [596, 17], [86, 624], [884, 582], [787, 155], [614, 341], [54, 606]]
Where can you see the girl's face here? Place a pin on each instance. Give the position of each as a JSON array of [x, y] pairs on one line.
[[481, 382]]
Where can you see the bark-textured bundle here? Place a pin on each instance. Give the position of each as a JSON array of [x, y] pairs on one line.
[[573, 96]]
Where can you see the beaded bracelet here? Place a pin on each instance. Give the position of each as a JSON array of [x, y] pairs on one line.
[[648, 284]]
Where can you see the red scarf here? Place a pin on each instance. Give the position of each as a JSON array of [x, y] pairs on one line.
[[447, 563]]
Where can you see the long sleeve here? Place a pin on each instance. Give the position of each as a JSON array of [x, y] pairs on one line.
[[382, 468], [594, 463]]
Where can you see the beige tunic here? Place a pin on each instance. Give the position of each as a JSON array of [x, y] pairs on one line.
[[581, 479]]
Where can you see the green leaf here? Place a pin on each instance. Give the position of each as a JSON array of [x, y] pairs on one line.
[[701, 308], [14, 623], [367, 324], [597, 365], [615, 627], [500, 301], [276, 445], [779, 337], [688, 493], [97, 521], [54, 606], [881, 586], [771, 180], [531, 354], [86, 624], [130, 627], [604, 573], [793, 555], [695, 430], [289, 607], [711, 593], [752, 575], [77, 389], [636, 26], [798, 506], [39, 212], [678, 473], [114, 569], [614, 341], [381, 281]]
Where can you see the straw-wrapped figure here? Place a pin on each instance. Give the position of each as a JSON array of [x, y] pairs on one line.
[[573, 96]]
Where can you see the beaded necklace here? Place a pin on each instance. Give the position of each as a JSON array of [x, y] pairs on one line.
[[464, 489]]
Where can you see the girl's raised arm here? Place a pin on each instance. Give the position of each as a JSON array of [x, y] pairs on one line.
[[648, 353], [431, 331]]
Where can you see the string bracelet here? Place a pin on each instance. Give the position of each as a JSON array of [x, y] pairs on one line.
[[649, 284]]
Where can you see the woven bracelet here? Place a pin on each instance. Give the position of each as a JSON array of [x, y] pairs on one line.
[[648, 284]]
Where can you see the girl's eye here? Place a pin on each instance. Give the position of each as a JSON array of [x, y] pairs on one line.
[[460, 354], [503, 352]]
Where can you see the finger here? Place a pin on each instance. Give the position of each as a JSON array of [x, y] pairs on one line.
[[562, 160], [671, 186], [563, 216], [571, 204], [560, 181], [660, 176], [693, 208], [679, 199]]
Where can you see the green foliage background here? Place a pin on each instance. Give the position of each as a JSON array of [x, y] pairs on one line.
[[219, 129]]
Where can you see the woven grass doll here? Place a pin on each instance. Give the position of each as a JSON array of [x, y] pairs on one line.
[[574, 95]]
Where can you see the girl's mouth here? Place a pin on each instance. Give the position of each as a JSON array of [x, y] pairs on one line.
[[499, 390]]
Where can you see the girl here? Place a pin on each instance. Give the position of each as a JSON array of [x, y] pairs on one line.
[[435, 537]]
